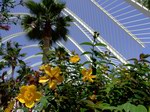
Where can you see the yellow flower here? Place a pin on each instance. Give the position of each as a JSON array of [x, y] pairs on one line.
[[10, 106], [29, 95], [87, 75], [43, 67], [74, 59], [52, 75], [7, 110], [92, 97]]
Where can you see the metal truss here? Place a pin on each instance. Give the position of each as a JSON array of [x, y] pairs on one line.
[[132, 16], [117, 22], [91, 31]]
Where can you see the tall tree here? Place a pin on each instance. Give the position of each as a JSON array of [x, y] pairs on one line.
[[46, 23]]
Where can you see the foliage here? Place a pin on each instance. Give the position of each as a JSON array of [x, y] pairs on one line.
[[5, 16], [145, 3], [10, 58], [74, 87]]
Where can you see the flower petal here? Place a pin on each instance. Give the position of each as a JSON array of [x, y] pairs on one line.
[[32, 88], [20, 97], [23, 89], [89, 71], [91, 80], [84, 78], [42, 67], [60, 79], [53, 84], [74, 59], [83, 72], [48, 70], [29, 104], [93, 97], [93, 76], [38, 96], [43, 79], [56, 71]]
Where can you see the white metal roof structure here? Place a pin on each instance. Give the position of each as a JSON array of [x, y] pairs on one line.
[[124, 26]]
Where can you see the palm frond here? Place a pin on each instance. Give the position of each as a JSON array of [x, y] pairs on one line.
[[61, 28], [34, 8], [27, 22], [35, 34], [32, 27], [53, 7]]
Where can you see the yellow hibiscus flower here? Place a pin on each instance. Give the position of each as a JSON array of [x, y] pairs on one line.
[[52, 75], [74, 59], [87, 75], [29, 95]]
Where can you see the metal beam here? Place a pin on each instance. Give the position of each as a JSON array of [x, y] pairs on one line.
[[140, 7], [108, 46], [118, 23]]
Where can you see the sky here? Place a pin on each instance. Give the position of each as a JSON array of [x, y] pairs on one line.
[[96, 20]]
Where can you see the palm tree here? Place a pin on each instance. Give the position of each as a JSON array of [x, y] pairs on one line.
[[46, 23]]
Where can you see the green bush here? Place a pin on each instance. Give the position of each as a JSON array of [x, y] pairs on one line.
[[67, 85]]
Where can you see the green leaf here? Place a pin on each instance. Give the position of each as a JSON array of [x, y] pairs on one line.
[[105, 106], [40, 53], [21, 62], [89, 103], [130, 65], [86, 62], [141, 108], [86, 53], [43, 103], [23, 54], [133, 59], [87, 43], [100, 44], [128, 106], [146, 61], [110, 108], [25, 109], [83, 110]]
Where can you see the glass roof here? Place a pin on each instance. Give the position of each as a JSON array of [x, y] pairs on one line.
[[124, 28]]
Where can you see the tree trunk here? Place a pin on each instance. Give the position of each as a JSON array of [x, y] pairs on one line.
[[46, 45], [46, 42]]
